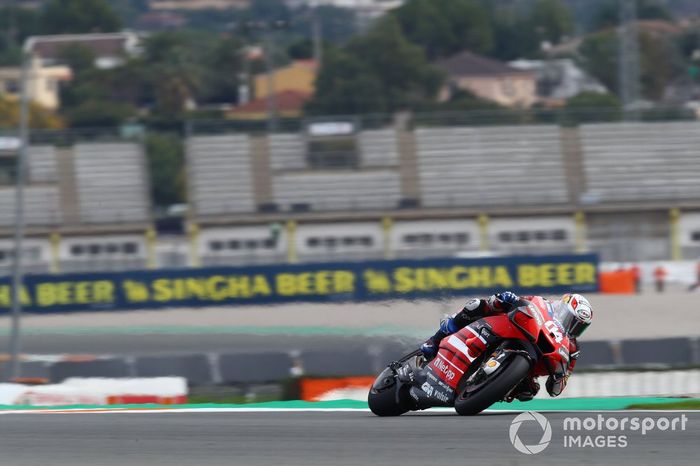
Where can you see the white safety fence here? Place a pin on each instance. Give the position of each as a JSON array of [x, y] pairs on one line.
[[588, 385], [647, 383], [97, 391]]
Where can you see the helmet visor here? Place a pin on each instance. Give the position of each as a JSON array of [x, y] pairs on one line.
[[570, 321]]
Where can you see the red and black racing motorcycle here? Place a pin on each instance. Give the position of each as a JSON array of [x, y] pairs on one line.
[[487, 361]]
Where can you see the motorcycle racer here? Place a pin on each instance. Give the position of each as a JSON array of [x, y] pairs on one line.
[[572, 311]]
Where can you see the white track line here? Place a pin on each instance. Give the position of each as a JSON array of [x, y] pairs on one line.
[[316, 410]]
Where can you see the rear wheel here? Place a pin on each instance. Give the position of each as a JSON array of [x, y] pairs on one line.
[[472, 400]]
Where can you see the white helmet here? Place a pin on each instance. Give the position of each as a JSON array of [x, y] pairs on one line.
[[574, 313]]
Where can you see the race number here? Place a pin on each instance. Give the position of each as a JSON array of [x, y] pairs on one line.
[[554, 330]]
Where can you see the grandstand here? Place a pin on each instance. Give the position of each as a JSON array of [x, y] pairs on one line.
[[641, 161], [505, 189], [86, 207], [491, 166], [630, 191], [220, 176]]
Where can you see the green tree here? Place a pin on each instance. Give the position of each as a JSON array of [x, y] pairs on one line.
[[592, 107], [660, 62], [445, 27], [514, 34], [599, 54], [39, 117], [399, 66], [129, 10], [78, 16], [100, 114], [376, 73], [189, 66], [220, 77], [608, 14], [345, 86], [165, 154], [79, 58], [593, 100], [552, 20], [16, 24], [176, 68], [423, 23]]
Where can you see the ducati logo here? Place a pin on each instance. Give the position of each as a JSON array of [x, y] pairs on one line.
[[525, 418]]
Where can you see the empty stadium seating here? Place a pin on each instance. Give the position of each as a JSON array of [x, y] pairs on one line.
[[491, 166], [42, 164], [111, 183], [378, 148], [220, 177], [338, 190], [287, 152], [41, 205], [641, 161]]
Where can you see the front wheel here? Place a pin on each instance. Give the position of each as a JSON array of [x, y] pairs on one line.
[[469, 403], [383, 398]]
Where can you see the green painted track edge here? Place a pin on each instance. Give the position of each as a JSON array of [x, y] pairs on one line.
[[566, 404]]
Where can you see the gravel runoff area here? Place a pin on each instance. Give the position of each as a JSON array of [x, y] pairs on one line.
[[650, 315]]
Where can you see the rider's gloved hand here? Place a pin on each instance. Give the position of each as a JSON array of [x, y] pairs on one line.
[[448, 326], [556, 384], [501, 300]]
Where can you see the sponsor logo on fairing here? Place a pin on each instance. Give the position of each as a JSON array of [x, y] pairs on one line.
[[444, 368], [432, 392]]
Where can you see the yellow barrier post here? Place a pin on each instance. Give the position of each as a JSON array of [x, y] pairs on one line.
[[484, 243], [292, 257], [193, 233], [150, 237], [387, 225], [675, 234], [55, 246], [580, 241]]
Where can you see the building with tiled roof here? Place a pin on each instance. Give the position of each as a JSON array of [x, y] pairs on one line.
[[288, 103], [488, 79], [110, 49]]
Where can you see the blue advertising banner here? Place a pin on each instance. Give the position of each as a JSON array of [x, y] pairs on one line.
[[359, 281]]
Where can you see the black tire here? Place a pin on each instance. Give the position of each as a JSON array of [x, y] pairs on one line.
[[495, 389], [383, 401]]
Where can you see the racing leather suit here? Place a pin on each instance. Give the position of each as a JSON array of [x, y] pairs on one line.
[[500, 303]]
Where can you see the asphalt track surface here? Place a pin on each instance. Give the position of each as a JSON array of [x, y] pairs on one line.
[[316, 438]]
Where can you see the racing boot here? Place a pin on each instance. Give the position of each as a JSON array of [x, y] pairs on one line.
[[525, 390], [432, 345]]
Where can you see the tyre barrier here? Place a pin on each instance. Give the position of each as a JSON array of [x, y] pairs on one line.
[[273, 366]]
